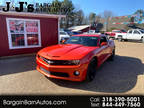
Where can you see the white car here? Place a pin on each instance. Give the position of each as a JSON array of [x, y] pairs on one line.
[[63, 36], [133, 34]]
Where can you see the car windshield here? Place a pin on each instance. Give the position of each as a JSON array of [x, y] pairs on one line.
[[123, 31], [82, 40], [142, 31]]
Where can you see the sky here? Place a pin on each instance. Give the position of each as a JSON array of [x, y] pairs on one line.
[[118, 7]]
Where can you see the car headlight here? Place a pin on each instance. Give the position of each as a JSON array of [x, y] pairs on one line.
[[74, 62], [59, 62], [40, 57]]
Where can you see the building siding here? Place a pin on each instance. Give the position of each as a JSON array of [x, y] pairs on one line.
[[48, 29]]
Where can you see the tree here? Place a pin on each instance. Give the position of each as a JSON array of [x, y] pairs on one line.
[[92, 18], [107, 15], [97, 19], [98, 24], [64, 7], [68, 10], [140, 15], [139, 11], [85, 20], [55, 7], [79, 17], [67, 7]]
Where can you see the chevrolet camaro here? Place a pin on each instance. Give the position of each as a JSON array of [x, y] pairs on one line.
[[77, 59]]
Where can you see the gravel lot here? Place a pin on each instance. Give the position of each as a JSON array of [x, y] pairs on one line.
[[125, 75]]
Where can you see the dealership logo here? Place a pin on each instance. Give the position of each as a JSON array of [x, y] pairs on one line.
[[30, 7], [24, 6]]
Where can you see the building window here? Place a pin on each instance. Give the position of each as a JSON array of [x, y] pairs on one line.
[[23, 33]]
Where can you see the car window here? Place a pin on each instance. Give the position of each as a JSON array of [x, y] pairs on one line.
[[136, 32], [103, 39], [142, 31], [123, 31], [130, 32], [83, 40]]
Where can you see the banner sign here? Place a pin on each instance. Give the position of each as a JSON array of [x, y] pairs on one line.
[[16, 26], [32, 26], [72, 101], [36, 7], [138, 19]]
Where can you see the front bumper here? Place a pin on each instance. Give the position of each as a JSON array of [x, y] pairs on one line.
[[62, 72]]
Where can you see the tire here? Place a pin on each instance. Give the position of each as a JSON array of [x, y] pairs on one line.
[[91, 72], [119, 39], [108, 36], [111, 58], [125, 40]]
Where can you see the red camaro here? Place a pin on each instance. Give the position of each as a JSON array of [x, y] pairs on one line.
[[77, 59]]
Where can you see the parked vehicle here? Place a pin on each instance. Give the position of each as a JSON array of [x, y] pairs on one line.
[[63, 36], [77, 59], [91, 32], [70, 33], [133, 34], [77, 32], [114, 33]]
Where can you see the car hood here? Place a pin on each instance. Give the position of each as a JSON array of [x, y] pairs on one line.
[[66, 51]]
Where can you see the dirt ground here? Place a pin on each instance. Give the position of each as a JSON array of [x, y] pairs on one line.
[[125, 75]]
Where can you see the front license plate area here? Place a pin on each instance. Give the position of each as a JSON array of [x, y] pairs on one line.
[[44, 70]]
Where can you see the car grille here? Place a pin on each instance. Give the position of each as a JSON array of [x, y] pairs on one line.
[[56, 62], [59, 74]]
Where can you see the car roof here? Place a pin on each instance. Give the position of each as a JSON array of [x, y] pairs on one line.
[[115, 29], [135, 29], [90, 35]]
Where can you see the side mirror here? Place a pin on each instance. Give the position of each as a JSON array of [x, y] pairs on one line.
[[103, 43]]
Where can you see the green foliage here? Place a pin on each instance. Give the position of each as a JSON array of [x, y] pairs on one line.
[[79, 17], [92, 18], [55, 7], [68, 6]]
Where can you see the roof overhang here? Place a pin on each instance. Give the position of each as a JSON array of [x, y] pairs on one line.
[[26, 14], [78, 28]]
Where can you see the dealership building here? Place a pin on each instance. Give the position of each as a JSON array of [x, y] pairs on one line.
[[23, 33]]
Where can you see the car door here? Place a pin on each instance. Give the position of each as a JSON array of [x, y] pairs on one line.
[[109, 49], [104, 49], [129, 34], [136, 35]]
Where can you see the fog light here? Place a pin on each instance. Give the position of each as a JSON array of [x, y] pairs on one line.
[[76, 73]]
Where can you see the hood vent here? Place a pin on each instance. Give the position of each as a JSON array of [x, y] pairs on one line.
[[55, 56]]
